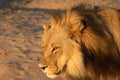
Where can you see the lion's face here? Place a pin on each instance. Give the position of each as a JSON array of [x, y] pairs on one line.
[[56, 51], [61, 53]]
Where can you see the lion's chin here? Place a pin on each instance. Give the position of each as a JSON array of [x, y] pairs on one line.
[[51, 75]]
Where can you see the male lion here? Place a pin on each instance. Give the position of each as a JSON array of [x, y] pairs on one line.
[[82, 44]]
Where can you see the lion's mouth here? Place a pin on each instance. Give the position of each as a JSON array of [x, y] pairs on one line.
[[58, 73], [53, 75]]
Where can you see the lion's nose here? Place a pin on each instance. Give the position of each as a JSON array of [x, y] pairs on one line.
[[42, 67]]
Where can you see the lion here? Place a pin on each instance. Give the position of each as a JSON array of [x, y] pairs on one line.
[[82, 43]]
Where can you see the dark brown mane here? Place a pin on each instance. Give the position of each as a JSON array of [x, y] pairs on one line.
[[101, 55]]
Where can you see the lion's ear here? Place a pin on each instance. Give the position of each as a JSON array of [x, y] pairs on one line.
[[79, 26], [46, 27], [54, 19]]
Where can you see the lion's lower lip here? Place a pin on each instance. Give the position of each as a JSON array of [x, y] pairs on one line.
[[51, 75]]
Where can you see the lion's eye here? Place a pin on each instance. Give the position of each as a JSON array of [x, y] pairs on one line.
[[55, 49], [43, 48]]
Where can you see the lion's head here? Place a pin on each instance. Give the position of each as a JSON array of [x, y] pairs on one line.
[[79, 45]]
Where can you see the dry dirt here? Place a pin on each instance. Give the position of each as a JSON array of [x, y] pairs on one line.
[[20, 34]]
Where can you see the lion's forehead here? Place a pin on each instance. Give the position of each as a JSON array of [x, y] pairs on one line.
[[55, 34], [50, 40]]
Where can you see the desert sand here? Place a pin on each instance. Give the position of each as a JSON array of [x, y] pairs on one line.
[[20, 34]]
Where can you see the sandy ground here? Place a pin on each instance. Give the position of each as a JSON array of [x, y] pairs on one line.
[[20, 36]]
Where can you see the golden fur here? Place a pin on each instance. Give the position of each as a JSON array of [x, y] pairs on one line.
[[82, 44]]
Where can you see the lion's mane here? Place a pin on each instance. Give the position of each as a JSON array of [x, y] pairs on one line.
[[99, 41]]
